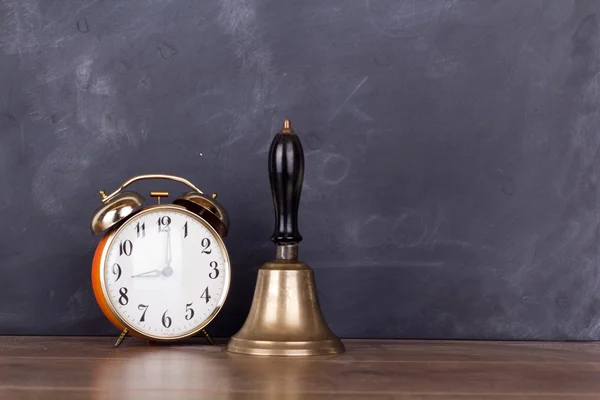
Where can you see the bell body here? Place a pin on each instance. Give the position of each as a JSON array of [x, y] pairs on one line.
[[285, 318]]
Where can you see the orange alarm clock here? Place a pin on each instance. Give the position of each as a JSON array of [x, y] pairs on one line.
[[160, 272]]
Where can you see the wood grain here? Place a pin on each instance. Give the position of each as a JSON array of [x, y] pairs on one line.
[[90, 368]]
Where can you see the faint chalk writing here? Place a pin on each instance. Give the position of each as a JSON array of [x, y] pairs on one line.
[[348, 98], [82, 25], [167, 50]]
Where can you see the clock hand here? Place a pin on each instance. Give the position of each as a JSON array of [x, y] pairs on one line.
[[167, 270], [168, 246], [148, 274]]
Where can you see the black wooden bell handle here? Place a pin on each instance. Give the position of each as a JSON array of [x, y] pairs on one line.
[[286, 175]]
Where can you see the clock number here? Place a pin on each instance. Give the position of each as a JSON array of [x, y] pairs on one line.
[[123, 299], [205, 295], [188, 308], [141, 229], [185, 231], [206, 244], [163, 223], [166, 321], [126, 248], [145, 308], [215, 272], [116, 270]]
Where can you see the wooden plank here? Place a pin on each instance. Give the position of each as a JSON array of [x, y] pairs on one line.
[[72, 368], [181, 395], [358, 350], [160, 371]]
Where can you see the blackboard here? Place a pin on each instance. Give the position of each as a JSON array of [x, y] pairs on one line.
[[452, 153]]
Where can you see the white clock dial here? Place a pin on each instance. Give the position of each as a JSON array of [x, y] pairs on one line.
[[166, 273]]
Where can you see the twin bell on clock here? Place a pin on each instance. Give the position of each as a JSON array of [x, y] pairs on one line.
[[161, 272]]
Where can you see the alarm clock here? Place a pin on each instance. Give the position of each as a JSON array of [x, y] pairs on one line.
[[160, 272]]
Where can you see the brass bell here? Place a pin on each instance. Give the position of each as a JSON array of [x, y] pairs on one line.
[[285, 318], [112, 212]]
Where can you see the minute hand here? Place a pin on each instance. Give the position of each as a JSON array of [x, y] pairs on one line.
[[167, 270], [168, 261]]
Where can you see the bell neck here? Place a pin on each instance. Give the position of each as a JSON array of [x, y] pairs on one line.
[[288, 252]]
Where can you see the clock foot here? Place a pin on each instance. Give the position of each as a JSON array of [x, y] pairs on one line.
[[121, 337], [207, 336]]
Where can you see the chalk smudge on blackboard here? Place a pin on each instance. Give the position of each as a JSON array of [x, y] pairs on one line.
[[334, 168], [409, 228], [17, 28], [84, 73], [61, 173], [27, 26], [405, 19], [167, 51], [348, 98], [238, 19]]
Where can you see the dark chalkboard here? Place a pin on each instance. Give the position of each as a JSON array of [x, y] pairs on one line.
[[451, 153]]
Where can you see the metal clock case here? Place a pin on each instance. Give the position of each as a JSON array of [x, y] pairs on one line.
[[160, 272]]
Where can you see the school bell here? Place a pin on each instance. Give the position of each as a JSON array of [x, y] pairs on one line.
[[285, 318]]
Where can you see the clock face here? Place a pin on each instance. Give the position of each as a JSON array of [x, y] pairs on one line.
[[166, 273]]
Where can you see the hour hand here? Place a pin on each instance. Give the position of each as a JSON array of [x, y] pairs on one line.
[[148, 274]]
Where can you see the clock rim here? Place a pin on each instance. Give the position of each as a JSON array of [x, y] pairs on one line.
[[99, 285]]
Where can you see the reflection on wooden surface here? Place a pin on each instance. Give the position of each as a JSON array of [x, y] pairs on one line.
[[90, 368]]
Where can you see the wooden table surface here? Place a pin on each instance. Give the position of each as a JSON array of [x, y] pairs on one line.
[[91, 368]]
